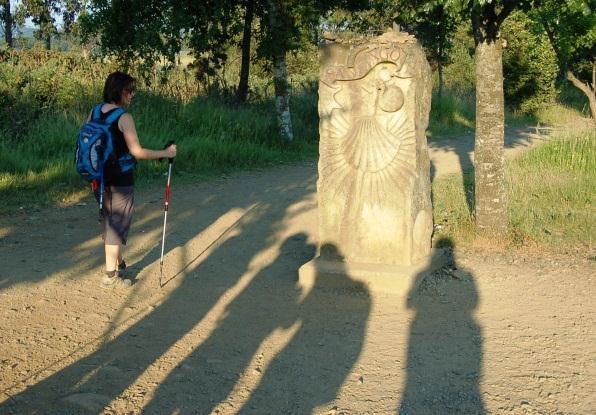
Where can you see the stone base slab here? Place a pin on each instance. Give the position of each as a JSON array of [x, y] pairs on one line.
[[394, 279]]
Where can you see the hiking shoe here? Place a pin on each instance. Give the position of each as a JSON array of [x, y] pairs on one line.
[[115, 282], [122, 269]]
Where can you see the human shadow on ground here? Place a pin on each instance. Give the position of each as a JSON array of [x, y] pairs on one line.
[[92, 382], [444, 360], [65, 243], [306, 376], [325, 329]]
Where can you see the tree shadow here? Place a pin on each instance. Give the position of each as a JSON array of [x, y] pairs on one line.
[[454, 155], [467, 184], [462, 145], [92, 382], [444, 360]]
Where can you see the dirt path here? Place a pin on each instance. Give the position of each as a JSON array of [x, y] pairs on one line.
[[231, 333], [451, 155]]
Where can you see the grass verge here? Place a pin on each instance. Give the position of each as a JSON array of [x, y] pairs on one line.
[[213, 137], [551, 191]]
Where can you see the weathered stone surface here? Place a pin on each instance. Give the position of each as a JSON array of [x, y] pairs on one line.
[[374, 169]]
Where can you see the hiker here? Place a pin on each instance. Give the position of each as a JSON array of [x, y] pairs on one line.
[[118, 197]]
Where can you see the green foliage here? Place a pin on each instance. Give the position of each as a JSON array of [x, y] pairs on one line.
[[71, 9], [434, 26], [459, 74], [42, 13], [208, 28], [572, 97], [571, 29], [49, 94], [33, 81], [48, 88], [529, 65], [452, 113], [304, 62], [571, 25]]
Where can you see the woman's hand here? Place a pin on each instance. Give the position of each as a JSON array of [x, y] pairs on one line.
[[170, 151]]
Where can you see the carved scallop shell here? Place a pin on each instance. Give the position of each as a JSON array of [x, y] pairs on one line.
[[368, 146], [366, 156]]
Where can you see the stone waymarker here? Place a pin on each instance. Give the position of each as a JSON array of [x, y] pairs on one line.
[[375, 213]]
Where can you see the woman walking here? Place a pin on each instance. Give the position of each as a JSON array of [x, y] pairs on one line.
[[119, 90]]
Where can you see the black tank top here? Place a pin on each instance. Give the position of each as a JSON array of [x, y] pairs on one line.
[[112, 175]]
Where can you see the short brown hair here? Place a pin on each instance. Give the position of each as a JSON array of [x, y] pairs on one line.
[[116, 83]]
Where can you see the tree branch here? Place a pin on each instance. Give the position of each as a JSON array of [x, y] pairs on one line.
[[584, 87], [594, 74], [508, 7], [550, 33]]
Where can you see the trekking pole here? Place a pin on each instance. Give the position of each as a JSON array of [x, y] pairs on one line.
[[101, 184], [165, 216]]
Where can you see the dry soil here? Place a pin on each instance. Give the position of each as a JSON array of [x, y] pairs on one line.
[[230, 332]]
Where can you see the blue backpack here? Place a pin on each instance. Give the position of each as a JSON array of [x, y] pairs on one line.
[[95, 149]]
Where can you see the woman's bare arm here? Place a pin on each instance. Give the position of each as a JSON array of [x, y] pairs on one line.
[[127, 126]]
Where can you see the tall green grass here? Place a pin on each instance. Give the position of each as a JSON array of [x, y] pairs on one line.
[[452, 113], [212, 136], [46, 96], [551, 190], [453, 199]]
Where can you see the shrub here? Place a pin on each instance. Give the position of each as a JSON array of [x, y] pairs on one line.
[[529, 65], [459, 75], [49, 87]]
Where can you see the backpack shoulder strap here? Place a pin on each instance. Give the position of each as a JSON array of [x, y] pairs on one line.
[[96, 112], [115, 115]]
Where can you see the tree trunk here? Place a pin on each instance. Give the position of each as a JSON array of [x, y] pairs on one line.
[[49, 42], [8, 22], [550, 33], [242, 92], [280, 73], [282, 97], [489, 161], [590, 92], [440, 71]]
